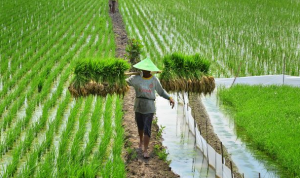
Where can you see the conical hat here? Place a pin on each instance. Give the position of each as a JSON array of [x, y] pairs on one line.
[[146, 64]]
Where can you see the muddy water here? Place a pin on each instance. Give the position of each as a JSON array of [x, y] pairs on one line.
[[186, 159], [247, 161]]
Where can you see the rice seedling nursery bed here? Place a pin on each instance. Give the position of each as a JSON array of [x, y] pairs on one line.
[[268, 118]]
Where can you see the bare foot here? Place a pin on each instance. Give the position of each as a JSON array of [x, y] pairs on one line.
[[146, 154], [141, 145]]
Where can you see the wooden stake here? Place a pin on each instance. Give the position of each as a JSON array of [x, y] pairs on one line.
[[207, 143], [222, 158], [231, 169], [283, 69], [222, 153], [237, 74], [195, 144]]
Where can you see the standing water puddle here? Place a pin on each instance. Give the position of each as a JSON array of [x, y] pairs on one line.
[[186, 160]]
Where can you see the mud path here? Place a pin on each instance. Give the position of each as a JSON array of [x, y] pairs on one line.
[[136, 165]]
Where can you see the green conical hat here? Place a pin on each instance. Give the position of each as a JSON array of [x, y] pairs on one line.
[[146, 64]]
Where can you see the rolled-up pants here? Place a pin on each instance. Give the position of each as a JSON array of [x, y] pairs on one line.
[[144, 122]]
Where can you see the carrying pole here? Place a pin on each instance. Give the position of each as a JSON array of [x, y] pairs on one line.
[[137, 73]]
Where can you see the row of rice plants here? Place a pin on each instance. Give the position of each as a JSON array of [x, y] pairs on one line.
[[169, 41], [47, 83], [66, 140], [269, 117], [18, 57], [80, 49], [103, 158], [14, 132], [116, 166], [228, 32], [66, 48], [46, 168], [137, 29], [34, 71], [46, 36], [30, 165], [36, 127]]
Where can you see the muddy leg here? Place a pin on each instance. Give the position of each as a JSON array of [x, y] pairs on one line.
[[141, 134], [113, 6], [146, 143]]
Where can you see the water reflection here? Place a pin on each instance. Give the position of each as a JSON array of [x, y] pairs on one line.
[[186, 159]]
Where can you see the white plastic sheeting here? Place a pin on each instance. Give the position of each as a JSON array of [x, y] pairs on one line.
[[186, 159], [261, 80], [214, 158]]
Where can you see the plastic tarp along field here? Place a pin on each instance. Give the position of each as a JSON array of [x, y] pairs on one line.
[[260, 80], [214, 158]]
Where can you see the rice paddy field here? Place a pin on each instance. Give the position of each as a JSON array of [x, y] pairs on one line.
[[260, 37], [44, 131]]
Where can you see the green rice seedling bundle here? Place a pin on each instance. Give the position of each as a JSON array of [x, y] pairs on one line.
[[99, 77], [186, 73]]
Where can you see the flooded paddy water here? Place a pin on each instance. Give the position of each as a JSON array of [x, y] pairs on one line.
[[188, 160]]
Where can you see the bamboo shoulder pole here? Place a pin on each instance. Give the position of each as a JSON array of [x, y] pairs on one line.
[[137, 73]]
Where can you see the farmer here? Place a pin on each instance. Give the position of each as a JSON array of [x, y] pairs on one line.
[[145, 86]]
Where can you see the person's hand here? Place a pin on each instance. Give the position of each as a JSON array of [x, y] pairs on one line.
[[172, 103]]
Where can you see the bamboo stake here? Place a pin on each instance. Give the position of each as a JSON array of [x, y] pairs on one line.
[[283, 69], [195, 144], [222, 157], [231, 169], [237, 74], [207, 143]]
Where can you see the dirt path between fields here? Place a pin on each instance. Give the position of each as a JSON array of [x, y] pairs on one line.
[[136, 165]]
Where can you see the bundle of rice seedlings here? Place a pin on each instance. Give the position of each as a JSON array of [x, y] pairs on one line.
[[99, 77], [186, 73]]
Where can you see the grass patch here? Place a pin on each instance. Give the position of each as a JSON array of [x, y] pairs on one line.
[[161, 152], [269, 116]]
